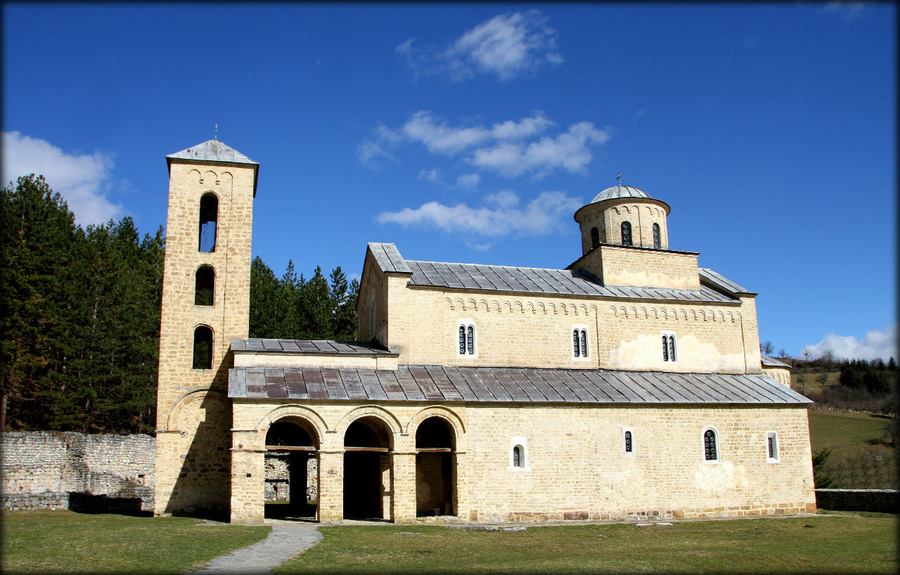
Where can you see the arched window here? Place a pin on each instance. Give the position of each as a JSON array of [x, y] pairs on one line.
[[628, 442], [626, 234], [203, 347], [466, 339], [772, 447], [209, 214], [668, 347], [372, 315], [518, 456], [595, 237], [204, 285], [579, 341], [657, 242], [710, 445]]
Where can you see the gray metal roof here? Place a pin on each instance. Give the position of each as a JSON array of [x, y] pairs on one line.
[[212, 150], [389, 258], [772, 362], [430, 383], [310, 346], [723, 283], [619, 192], [543, 281]]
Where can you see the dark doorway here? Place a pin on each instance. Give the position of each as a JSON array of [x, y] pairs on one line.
[[434, 468], [291, 490], [366, 469]]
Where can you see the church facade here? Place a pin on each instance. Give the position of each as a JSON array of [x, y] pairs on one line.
[[627, 385]]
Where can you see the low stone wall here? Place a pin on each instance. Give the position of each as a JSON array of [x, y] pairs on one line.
[[68, 470], [880, 500]]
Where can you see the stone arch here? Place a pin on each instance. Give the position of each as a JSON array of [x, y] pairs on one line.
[[190, 400], [376, 411], [293, 411], [456, 424]]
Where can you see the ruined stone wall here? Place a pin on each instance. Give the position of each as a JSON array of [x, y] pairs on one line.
[[41, 469]]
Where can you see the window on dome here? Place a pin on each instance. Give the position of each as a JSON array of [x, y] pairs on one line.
[[595, 237], [626, 234], [657, 243]]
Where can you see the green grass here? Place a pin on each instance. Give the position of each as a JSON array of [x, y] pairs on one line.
[[853, 544], [831, 428], [68, 542]]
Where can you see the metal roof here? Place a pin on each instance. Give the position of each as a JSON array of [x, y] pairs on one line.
[[310, 346], [212, 150], [772, 362], [389, 258], [507, 384], [544, 282], [619, 192], [723, 283]]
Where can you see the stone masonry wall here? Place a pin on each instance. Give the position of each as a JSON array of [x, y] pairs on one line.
[[40, 470]]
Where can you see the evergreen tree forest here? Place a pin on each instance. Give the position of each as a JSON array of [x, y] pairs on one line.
[[80, 314]]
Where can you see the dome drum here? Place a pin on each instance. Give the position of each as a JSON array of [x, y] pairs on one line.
[[623, 215]]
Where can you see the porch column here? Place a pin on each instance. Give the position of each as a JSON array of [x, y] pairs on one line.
[[404, 500], [331, 486]]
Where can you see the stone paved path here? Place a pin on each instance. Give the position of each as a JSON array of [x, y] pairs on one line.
[[287, 539]]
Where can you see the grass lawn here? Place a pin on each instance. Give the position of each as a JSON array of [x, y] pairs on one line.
[[862, 544], [840, 428], [68, 542]]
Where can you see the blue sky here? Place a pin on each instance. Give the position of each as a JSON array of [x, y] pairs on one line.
[[472, 133]]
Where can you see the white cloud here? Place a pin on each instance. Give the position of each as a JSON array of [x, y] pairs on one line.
[[541, 216], [468, 181], [846, 10], [374, 155], [433, 175], [506, 46], [569, 151], [510, 148], [876, 344], [82, 180]]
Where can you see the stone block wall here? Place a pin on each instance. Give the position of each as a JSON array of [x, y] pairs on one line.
[[43, 469]]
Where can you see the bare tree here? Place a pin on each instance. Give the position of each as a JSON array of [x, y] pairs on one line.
[[766, 348]]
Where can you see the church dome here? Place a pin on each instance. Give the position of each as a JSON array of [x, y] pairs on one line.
[[619, 192]]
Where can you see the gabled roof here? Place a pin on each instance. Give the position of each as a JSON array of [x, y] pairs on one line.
[[216, 152], [388, 258], [429, 383], [212, 151], [722, 283], [769, 361]]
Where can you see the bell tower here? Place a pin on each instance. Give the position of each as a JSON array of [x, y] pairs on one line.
[[205, 304]]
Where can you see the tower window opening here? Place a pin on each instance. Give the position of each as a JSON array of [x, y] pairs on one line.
[[657, 242], [204, 286], [595, 237], [626, 234], [209, 213], [203, 348]]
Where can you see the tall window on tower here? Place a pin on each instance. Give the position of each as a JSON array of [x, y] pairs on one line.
[[657, 242], [202, 347], [626, 234], [204, 285], [209, 213], [595, 238], [466, 338]]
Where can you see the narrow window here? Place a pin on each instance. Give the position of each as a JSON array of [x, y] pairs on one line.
[[579, 341], [466, 339], [204, 285], [668, 347], [595, 237], [710, 446], [372, 315], [657, 243], [209, 214], [517, 456], [203, 348], [772, 447], [626, 234], [628, 442]]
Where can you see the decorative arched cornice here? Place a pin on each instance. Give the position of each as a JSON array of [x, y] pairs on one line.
[[197, 396]]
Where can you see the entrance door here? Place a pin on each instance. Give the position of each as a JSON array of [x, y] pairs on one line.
[[291, 490]]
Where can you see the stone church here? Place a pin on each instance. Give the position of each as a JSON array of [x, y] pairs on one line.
[[626, 385]]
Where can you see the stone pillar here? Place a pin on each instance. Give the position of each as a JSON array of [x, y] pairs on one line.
[[248, 480], [331, 486], [404, 500], [168, 465], [460, 487]]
